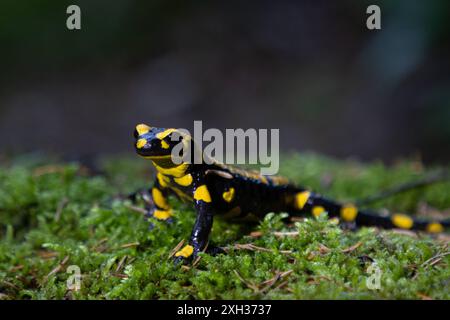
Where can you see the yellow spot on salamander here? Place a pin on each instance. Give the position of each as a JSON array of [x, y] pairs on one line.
[[263, 179], [317, 211], [186, 252], [177, 171], [435, 227], [164, 144], [402, 221], [301, 198], [184, 181], [141, 143], [162, 180], [162, 214], [165, 133], [159, 199], [228, 196], [349, 212], [142, 129], [202, 193]]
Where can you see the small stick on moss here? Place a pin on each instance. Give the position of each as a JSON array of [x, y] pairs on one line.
[[269, 283], [252, 247], [424, 296], [62, 204], [136, 208], [16, 268], [99, 247], [434, 260], [57, 268], [323, 249], [404, 232], [197, 260], [315, 279], [247, 283], [256, 234], [121, 262], [296, 219], [47, 254], [10, 284], [131, 244], [352, 248], [176, 249], [281, 285], [286, 234]]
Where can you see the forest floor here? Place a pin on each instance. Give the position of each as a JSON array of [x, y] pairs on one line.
[[57, 217]]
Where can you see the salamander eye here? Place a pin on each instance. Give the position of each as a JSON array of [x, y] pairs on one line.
[[136, 134]]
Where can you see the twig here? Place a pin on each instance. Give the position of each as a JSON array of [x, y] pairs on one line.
[[16, 268], [60, 208], [256, 234], [176, 249], [252, 247], [248, 284], [99, 246], [136, 208], [281, 285], [10, 284], [197, 260], [128, 245], [269, 283], [286, 234], [47, 254], [434, 260], [323, 248], [424, 296], [352, 248], [121, 262], [404, 232], [57, 268]]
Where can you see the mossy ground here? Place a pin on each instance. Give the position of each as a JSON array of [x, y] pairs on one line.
[[54, 215]]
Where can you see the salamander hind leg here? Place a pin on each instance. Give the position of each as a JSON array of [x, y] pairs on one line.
[[156, 205]]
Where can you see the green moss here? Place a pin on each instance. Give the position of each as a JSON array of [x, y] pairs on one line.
[[56, 212]]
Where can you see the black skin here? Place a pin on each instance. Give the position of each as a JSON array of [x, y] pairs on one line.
[[253, 193]]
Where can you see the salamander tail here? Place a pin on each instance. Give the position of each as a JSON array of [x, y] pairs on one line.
[[306, 201]]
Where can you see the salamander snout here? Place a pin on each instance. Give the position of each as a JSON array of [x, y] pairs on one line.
[[153, 141]]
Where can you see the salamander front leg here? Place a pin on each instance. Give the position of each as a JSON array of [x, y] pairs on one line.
[[202, 227]]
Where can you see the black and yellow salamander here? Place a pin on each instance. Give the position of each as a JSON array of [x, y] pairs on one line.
[[215, 188]]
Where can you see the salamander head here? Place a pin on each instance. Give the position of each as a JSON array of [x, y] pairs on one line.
[[153, 143]]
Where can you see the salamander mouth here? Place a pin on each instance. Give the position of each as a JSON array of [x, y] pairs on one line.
[[144, 152]]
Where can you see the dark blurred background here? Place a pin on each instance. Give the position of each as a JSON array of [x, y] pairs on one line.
[[310, 68]]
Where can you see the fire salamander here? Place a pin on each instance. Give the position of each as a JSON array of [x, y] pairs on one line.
[[220, 189]]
